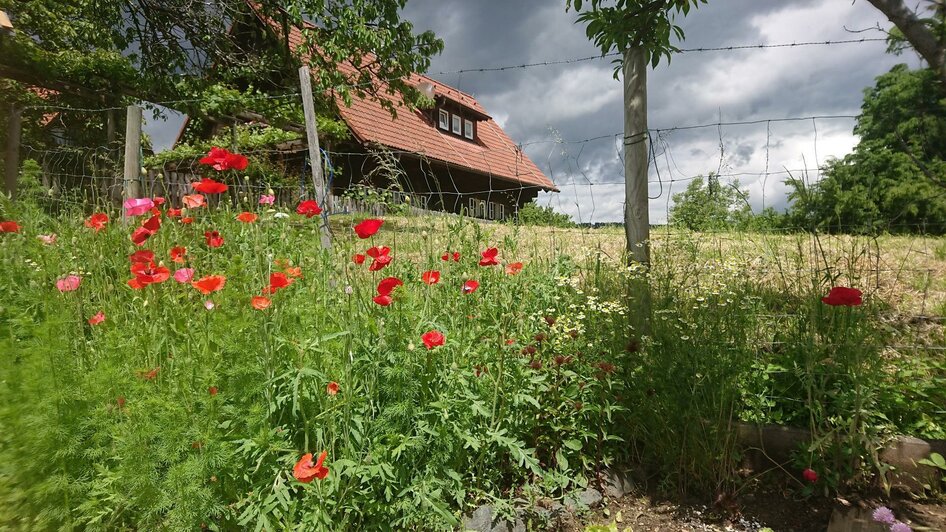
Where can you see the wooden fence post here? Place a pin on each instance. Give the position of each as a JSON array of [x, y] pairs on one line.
[[12, 157], [315, 156], [636, 215], [131, 187]]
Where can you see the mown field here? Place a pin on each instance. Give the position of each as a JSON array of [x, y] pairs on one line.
[[195, 402]]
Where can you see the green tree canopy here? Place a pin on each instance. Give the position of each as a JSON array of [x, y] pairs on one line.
[[895, 179], [171, 50]]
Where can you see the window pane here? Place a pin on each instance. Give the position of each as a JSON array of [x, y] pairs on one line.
[[444, 120], [456, 124], [468, 129]]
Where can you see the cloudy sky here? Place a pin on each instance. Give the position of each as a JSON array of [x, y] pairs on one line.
[[551, 109]]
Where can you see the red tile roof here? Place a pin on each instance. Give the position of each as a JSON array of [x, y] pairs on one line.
[[494, 154]]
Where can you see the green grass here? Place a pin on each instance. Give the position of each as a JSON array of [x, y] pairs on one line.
[[544, 378]]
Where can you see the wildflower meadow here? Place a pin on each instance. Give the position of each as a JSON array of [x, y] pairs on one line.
[[209, 365]]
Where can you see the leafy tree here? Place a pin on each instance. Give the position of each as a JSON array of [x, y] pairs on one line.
[[924, 31], [895, 176], [617, 25], [175, 48], [534, 214], [708, 205]]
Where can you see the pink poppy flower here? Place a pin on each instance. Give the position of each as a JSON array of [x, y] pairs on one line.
[[184, 275], [49, 239], [137, 206], [267, 199], [97, 319], [69, 283]]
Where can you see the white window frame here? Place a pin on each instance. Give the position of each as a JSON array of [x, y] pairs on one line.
[[444, 120], [457, 122], [468, 129]]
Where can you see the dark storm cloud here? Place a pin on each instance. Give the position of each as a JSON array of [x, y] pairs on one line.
[[582, 100]]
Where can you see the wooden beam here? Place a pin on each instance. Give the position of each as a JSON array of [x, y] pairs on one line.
[[315, 156], [12, 154], [636, 214], [131, 186]]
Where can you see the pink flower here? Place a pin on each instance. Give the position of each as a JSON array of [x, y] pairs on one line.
[[97, 319], [184, 275], [137, 206], [49, 239], [68, 283], [267, 199], [209, 305]]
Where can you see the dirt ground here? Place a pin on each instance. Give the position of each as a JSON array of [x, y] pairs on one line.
[[767, 507]]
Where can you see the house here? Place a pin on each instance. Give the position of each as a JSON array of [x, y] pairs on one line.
[[6, 27], [450, 157]]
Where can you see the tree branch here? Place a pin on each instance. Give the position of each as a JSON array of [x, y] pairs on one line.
[[920, 36]]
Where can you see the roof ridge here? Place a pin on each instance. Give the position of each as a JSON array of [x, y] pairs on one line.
[[451, 87]]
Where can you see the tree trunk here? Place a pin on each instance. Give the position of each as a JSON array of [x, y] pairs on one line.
[[12, 156], [636, 217]]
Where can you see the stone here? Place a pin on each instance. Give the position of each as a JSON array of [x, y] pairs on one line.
[[480, 521], [902, 454], [617, 484], [854, 519], [586, 498]]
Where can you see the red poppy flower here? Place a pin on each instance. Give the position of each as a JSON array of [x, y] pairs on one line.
[[368, 227], [470, 286], [843, 296], [379, 263], [187, 220], [9, 227], [431, 277], [222, 159], [433, 339], [294, 271], [260, 302], [148, 273], [358, 259], [209, 284], [193, 201], [378, 251], [383, 300], [213, 239], [514, 268], [142, 255], [309, 208], [97, 221], [140, 235], [212, 391], [388, 284], [810, 475], [209, 186], [155, 211], [247, 217], [306, 471], [159, 200], [447, 256], [97, 319], [177, 254], [489, 257], [149, 375], [277, 280], [174, 213], [153, 224], [332, 388]]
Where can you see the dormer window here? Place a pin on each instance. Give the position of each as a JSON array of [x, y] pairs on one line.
[[457, 120]]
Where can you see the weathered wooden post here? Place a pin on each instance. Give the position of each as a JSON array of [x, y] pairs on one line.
[[12, 155], [131, 187], [636, 215], [315, 156]]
